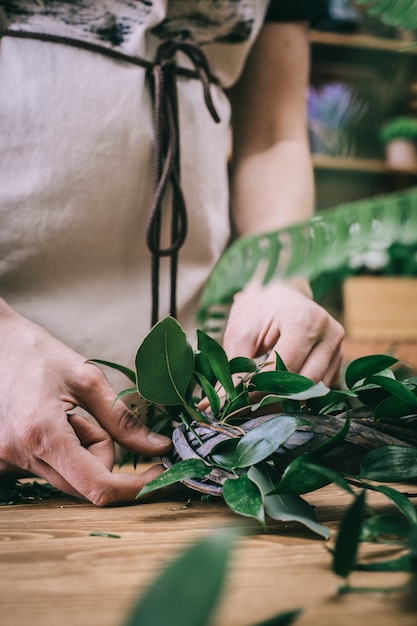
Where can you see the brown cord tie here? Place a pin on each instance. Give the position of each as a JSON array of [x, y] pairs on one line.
[[162, 75], [167, 159]]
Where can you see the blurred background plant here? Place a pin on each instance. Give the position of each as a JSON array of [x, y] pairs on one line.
[[399, 138], [404, 127], [333, 110]]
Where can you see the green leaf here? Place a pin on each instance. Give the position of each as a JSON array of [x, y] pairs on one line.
[[190, 468], [126, 392], [131, 375], [395, 387], [210, 392], [367, 366], [347, 539], [279, 364], [299, 478], [224, 453], [393, 408], [286, 507], [243, 497], [242, 364], [240, 400], [330, 475], [399, 499], [332, 442], [316, 391], [218, 361], [187, 591], [265, 439], [379, 526], [326, 403], [279, 382], [390, 464], [202, 366], [165, 364]]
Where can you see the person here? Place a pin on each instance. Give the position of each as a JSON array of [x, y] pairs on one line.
[[81, 122]]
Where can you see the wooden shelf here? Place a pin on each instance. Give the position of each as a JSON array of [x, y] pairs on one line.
[[355, 165], [369, 42]]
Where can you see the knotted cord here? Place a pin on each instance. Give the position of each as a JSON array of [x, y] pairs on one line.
[[162, 74]]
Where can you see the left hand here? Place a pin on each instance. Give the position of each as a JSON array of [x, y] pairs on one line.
[[278, 317]]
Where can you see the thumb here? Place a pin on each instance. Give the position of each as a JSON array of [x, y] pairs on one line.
[[125, 427]]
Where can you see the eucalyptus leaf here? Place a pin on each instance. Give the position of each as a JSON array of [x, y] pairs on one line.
[[332, 442], [210, 392], [224, 453], [347, 540], [280, 382], [186, 593], [400, 500], [189, 468], [390, 464], [378, 526], [367, 366], [316, 391], [240, 399], [243, 497], [165, 364], [202, 366], [240, 364], [335, 398], [286, 507], [279, 363], [218, 361], [396, 388], [392, 408], [260, 442], [299, 478], [131, 375], [126, 392]]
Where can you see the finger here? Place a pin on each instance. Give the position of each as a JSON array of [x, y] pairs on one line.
[[97, 397], [94, 438], [320, 365], [88, 477], [73, 469]]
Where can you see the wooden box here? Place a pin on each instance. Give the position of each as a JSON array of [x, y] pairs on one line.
[[380, 307]]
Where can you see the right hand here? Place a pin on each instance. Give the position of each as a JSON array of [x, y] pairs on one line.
[[41, 382]]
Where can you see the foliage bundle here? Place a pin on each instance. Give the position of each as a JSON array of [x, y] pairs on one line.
[[260, 464]]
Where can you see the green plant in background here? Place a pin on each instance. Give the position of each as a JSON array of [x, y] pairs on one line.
[[333, 109], [400, 13], [316, 248], [404, 127]]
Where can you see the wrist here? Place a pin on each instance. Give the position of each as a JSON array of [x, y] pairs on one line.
[[300, 284]]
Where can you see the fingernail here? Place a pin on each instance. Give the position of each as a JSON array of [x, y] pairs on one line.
[[157, 440]]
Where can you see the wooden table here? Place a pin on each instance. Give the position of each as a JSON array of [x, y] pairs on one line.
[[53, 572]]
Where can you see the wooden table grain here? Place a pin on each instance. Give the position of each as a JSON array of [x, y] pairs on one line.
[[53, 571]]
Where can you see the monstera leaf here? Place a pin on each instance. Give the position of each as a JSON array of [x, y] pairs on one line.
[[401, 13], [323, 244]]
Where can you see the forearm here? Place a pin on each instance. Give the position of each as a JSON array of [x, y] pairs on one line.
[[273, 188]]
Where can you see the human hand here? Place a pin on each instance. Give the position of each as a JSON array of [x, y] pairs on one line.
[[277, 317], [41, 382]]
